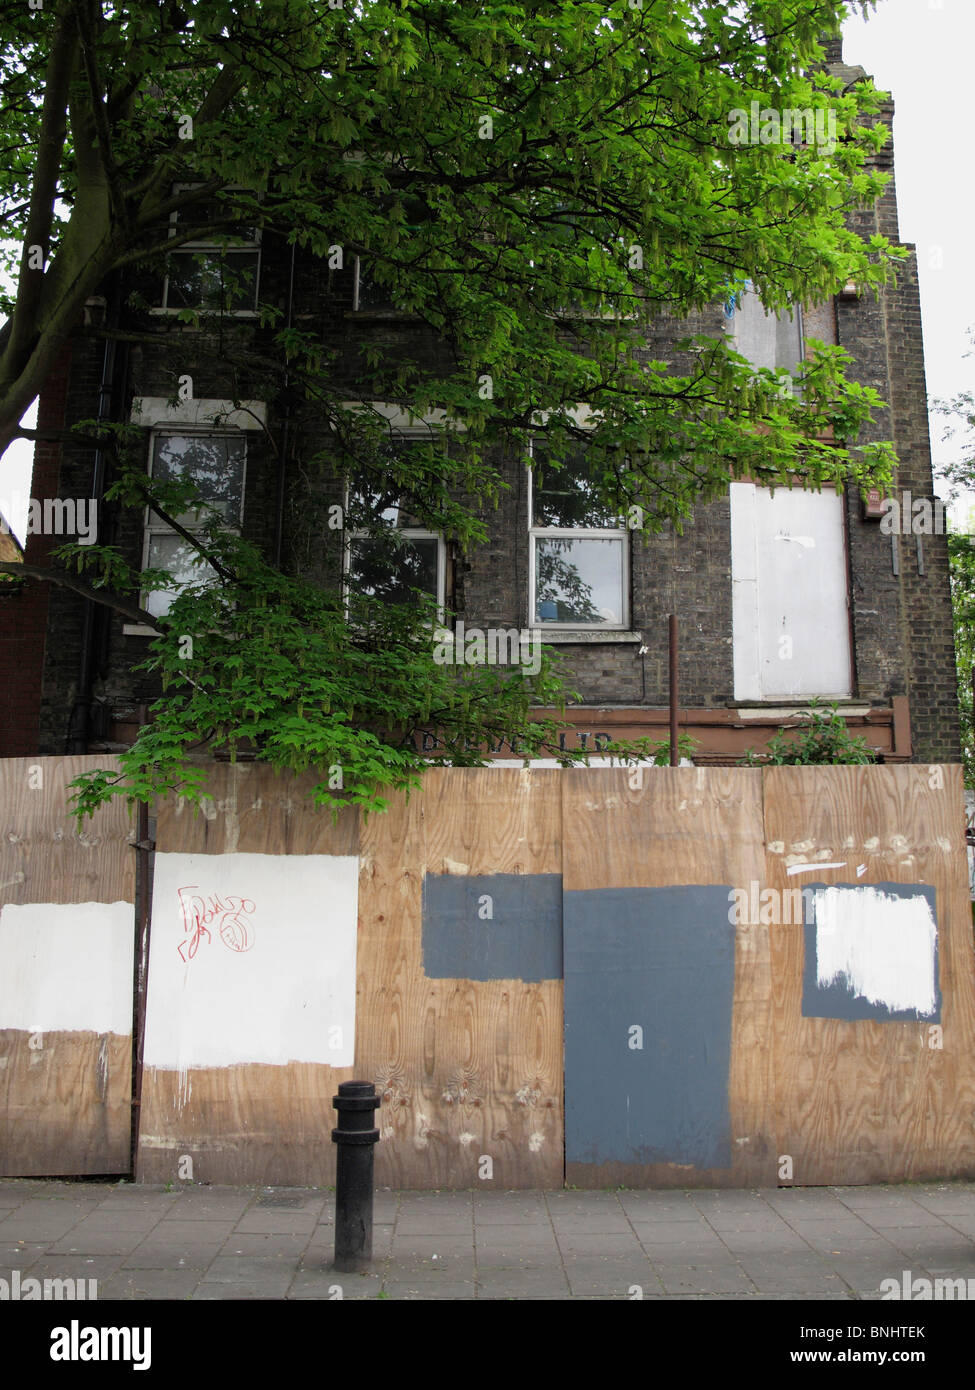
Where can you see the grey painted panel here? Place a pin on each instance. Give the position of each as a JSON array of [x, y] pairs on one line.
[[838, 1000], [492, 926], [661, 960]]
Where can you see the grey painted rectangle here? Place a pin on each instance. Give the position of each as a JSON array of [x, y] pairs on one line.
[[837, 999], [492, 926], [662, 961]]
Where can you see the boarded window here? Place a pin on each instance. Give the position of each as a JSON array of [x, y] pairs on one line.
[[789, 594]]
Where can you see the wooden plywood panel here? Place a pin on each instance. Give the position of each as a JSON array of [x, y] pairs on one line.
[[253, 808], [65, 1103], [44, 858], [861, 1100], [677, 827], [65, 1078], [245, 1122], [468, 1069]]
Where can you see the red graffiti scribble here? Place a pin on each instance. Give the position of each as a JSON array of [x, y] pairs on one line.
[[199, 912]]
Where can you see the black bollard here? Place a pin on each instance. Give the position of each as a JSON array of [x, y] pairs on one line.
[[355, 1102]]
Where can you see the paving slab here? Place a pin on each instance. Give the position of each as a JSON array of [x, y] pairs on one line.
[[149, 1284], [205, 1243]]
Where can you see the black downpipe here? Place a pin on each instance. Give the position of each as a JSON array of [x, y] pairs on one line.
[[78, 725], [283, 454]]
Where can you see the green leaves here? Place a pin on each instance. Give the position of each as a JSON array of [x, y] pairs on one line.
[[823, 739]]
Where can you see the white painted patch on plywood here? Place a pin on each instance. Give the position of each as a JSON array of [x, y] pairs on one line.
[[881, 946], [67, 967], [252, 960], [804, 868]]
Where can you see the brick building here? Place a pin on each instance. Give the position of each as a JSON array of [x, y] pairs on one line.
[[780, 598]]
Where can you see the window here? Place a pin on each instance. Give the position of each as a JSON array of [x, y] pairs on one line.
[[579, 550], [409, 557], [370, 295], [789, 594], [219, 274], [767, 340], [216, 462]]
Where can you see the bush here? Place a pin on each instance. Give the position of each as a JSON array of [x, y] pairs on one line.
[[824, 739]]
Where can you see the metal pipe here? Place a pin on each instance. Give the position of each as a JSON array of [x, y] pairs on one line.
[[285, 430], [143, 847], [78, 723], [674, 754]]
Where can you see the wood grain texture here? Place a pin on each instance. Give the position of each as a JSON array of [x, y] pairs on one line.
[[248, 1123], [685, 826], [65, 1107], [467, 1069], [44, 857], [474, 1069], [251, 808], [871, 1101]]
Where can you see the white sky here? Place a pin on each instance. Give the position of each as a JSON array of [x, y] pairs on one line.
[[922, 52]]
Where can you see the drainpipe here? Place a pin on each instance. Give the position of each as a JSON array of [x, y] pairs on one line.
[[78, 725], [283, 454], [674, 733]]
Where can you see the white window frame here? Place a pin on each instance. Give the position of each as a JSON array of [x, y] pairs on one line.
[[408, 533], [153, 524], [581, 533], [366, 309], [214, 247]]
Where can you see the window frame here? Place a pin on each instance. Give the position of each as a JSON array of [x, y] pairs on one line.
[[154, 526], [779, 316], [409, 533], [221, 250], [619, 534]]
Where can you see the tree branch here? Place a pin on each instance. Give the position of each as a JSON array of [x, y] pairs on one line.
[[54, 119], [99, 116], [68, 581]]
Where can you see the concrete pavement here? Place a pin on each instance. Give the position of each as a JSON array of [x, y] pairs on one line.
[[206, 1243]]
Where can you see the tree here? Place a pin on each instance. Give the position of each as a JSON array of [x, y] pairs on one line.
[[534, 184], [961, 555], [958, 415]]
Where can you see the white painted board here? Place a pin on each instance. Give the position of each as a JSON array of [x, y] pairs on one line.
[[67, 967], [789, 594], [252, 959]]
